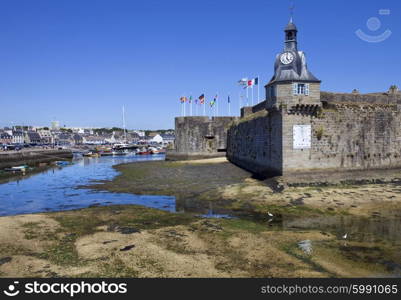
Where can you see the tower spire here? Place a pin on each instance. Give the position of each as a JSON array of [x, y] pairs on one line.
[[292, 8], [291, 36]]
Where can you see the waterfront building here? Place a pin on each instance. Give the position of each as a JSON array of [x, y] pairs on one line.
[[5, 138]]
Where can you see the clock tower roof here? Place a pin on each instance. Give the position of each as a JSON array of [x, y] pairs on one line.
[[291, 64], [291, 26]]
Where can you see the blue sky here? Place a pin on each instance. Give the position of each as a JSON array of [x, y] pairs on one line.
[[80, 61]]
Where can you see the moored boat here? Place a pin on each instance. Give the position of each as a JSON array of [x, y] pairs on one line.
[[91, 154], [17, 169], [63, 163]]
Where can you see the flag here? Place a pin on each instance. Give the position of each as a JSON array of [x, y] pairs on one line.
[[243, 81], [228, 99], [202, 98], [190, 99], [251, 82], [213, 102], [183, 99]]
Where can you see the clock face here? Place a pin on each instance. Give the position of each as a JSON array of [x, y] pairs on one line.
[[286, 58]]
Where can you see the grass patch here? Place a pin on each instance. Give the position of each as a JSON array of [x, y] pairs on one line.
[[116, 268], [78, 223], [243, 225]]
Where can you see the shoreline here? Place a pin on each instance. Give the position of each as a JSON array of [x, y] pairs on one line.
[[30, 157], [136, 241]]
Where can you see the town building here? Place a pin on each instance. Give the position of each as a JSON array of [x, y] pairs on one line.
[[17, 136], [168, 139], [5, 138], [32, 137], [45, 135]]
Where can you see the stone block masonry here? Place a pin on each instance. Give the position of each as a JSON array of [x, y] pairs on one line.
[[200, 137], [255, 142], [30, 157], [343, 136]]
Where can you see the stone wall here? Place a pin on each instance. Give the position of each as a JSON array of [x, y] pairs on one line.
[[343, 137], [349, 137], [255, 143], [30, 157], [376, 98], [200, 137], [284, 96]]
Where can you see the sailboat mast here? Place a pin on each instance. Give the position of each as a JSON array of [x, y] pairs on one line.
[[125, 132]]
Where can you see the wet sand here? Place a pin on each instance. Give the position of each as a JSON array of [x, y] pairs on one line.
[[304, 238]]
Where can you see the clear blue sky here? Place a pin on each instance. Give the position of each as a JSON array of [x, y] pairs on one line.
[[79, 61]]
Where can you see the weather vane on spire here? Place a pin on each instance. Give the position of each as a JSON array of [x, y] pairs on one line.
[[292, 8]]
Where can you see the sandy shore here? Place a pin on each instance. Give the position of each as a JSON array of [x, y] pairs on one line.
[[134, 241]]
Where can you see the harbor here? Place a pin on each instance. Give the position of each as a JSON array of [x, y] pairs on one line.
[[23, 162]]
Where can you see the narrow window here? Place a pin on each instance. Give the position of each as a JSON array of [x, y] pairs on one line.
[[301, 89], [295, 88]]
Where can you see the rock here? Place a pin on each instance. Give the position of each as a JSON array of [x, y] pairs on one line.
[[122, 229], [110, 241], [299, 201], [306, 246], [126, 248], [128, 230], [5, 260]]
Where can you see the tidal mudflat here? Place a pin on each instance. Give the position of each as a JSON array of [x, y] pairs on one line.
[[341, 230]]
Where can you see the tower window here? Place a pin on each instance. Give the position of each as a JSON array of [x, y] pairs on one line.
[[301, 89]]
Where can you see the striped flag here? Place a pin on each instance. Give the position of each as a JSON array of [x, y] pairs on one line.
[[251, 82], [202, 99], [228, 99], [183, 99]]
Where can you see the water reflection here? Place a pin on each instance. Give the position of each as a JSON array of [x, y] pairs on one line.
[[362, 229], [56, 189]]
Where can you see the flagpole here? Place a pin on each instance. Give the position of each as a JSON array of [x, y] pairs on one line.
[[229, 105], [252, 94], [190, 106], [217, 106], [239, 100], [204, 105], [258, 89], [247, 100]]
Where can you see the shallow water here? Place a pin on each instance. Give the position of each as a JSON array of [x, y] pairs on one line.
[[373, 240], [57, 188]]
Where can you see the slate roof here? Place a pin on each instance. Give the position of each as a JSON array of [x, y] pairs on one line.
[[297, 70]]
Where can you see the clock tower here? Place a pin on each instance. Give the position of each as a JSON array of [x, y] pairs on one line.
[[292, 84]]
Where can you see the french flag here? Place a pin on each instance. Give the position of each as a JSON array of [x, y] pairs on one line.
[[252, 82]]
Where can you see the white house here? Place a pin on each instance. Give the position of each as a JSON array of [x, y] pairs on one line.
[[157, 139]]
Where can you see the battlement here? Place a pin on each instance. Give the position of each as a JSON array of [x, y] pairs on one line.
[[356, 97], [198, 137]]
